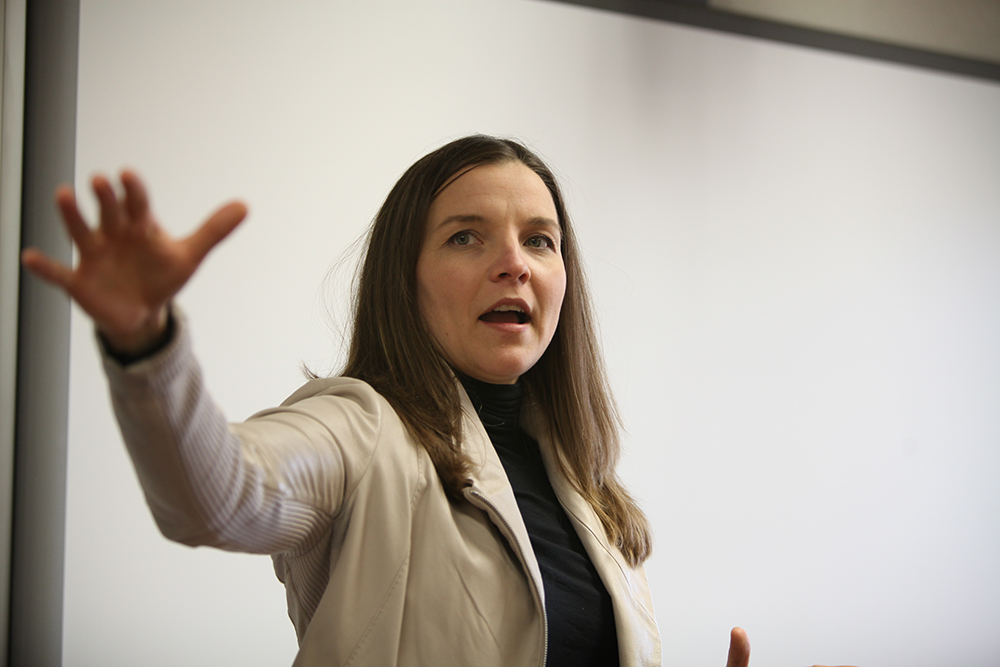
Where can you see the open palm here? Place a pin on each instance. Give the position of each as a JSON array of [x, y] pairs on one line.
[[128, 268]]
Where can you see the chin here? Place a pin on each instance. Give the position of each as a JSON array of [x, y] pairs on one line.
[[506, 374]]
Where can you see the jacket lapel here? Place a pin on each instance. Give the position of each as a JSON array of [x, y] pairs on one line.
[[638, 635], [490, 491]]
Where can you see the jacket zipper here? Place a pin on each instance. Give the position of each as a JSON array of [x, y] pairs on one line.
[[520, 549]]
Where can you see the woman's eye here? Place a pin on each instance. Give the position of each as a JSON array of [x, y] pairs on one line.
[[540, 242], [462, 238]]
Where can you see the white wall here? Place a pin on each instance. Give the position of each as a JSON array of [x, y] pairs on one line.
[[796, 262]]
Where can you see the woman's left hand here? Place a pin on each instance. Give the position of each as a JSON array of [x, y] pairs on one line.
[[739, 649]]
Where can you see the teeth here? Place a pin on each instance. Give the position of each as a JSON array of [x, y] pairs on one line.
[[503, 309]]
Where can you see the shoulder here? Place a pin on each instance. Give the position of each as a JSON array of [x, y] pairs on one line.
[[333, 439], [349, 412], [341, 416], [337, 398], [345, 388]]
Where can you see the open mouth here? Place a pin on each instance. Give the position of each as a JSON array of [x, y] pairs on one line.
[[506, 315]]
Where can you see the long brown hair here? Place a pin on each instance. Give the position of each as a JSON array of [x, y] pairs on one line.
[[392, 350]]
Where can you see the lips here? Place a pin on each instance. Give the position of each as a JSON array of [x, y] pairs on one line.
[[507, 312]]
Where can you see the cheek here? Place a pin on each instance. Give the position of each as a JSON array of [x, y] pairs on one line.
[[426, 301], [557, 295], [423, 293], [438, 297]]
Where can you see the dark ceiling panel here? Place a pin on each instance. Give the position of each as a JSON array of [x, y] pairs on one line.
[[697, 13]]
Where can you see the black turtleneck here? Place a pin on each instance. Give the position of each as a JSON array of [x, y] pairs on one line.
[[581, 621]]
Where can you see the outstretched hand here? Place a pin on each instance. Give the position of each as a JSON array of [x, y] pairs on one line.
[[129, 268]]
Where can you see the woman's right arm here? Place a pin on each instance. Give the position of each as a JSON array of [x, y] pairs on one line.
[[202, 483], [269, 485]]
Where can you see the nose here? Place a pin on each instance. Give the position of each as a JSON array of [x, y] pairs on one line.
[[511, 263]]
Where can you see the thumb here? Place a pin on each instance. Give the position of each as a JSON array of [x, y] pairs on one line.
[[216, 228], [739, 649]]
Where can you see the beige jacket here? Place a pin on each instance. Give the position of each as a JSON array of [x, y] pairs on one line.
[[379, 567]]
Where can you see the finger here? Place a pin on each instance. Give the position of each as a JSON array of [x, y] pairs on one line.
[[112, 221], [47, 268], [77, 227], [136, 199], [216, 228], [739, 648]]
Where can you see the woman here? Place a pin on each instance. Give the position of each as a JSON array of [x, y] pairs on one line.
[[451, 498]]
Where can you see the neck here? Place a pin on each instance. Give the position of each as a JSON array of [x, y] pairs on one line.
[[498, 405]]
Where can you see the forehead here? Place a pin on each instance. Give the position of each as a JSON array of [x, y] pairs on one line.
[[497, 187]]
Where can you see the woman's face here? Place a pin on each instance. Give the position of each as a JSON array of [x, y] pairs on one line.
[[490, 276]]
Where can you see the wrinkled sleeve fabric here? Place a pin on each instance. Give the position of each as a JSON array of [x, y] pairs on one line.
[[273, 484]]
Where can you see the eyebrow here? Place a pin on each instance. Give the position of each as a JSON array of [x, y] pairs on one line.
[[461, 219], [465, 218]]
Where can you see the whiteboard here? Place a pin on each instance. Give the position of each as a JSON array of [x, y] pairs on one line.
[[795, 260]]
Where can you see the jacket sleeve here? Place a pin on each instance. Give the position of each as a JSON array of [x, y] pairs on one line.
[[273, 484]]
